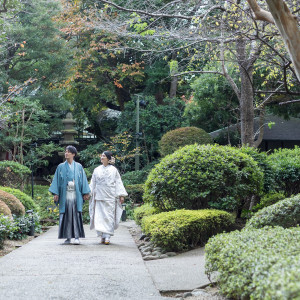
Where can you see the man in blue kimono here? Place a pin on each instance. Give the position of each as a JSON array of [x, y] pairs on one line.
[[70, 187]]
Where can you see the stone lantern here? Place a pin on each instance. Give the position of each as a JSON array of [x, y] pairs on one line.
[[68, 133]]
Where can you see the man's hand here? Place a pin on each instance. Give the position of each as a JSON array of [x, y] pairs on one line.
[[86, 197], [55, 198]]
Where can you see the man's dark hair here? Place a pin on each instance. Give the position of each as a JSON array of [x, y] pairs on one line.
[[71, 149]]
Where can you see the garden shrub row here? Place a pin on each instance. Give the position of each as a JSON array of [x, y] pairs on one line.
[[256, 263], [285, 213], [25, 199], [178, 230], [207, 176], [144, 211], [15, 206]]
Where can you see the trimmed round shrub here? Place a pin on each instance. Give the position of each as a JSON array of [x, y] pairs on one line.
[[25, 199], [256, 264], [285, 213], [135, 192], [13, 174], [174, 139], [4, 209], [207, 176], [14, 204], [143, 211], [286, 168], [182, 229]]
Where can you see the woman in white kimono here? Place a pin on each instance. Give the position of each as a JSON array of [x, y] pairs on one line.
[[108, 192]]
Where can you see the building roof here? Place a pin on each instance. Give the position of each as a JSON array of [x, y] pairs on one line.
[[283, 130]]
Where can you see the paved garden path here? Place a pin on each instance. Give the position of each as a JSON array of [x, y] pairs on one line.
[[46, 269]]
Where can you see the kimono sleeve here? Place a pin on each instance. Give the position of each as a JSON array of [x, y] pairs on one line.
[[120, 189], [85, 185], [54, 187]]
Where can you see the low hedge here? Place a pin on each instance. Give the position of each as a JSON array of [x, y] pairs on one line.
[[25, 199], [14, 204], [285, 213], [135, 192], [7, 226], [182, 229], [143, 211], [267, 200], [256, 264]]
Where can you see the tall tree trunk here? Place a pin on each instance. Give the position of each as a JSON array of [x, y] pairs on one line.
[[246, 95]]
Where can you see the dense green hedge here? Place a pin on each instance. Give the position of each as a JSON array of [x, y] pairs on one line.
[[143, 211], [134, 177], [181, 229], [13, 174], [267, 200], [14, 204], [262, 160], [197, 177], [25, 199], [135, 192], [285, 213], [174, 139], [256, 264], [286, 169]]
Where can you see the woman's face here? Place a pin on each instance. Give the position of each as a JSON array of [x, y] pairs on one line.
[[69, 155], [104, 159]]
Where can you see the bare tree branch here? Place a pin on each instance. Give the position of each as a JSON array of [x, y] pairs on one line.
[[4, 6], [260, 14]]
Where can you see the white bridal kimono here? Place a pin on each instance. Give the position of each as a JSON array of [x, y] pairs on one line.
[[105, 208]]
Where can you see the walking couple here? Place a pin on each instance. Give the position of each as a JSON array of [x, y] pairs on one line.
[[106, 193]]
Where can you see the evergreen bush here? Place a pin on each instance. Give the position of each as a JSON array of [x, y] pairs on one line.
[[14, 204], [135, 192], [203, 176], [13, 174], [174, 139], [25, 199], [142, 211], [286, 168], [285, 213], [256, 264], [134, 177], [7, 226], [182, 229]]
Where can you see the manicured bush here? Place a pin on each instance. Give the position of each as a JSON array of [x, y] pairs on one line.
[[14, 204], [174, 139], [181, 229], [262, 160], [25, 199], [256, 264], [4, 209], [286, 168], [13, 174], [285, 213], [268, 199], [197, 177], [135, 192], [142, 211]]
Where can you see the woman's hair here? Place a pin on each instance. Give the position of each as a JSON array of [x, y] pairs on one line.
[[71, 149], [108, 154]]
